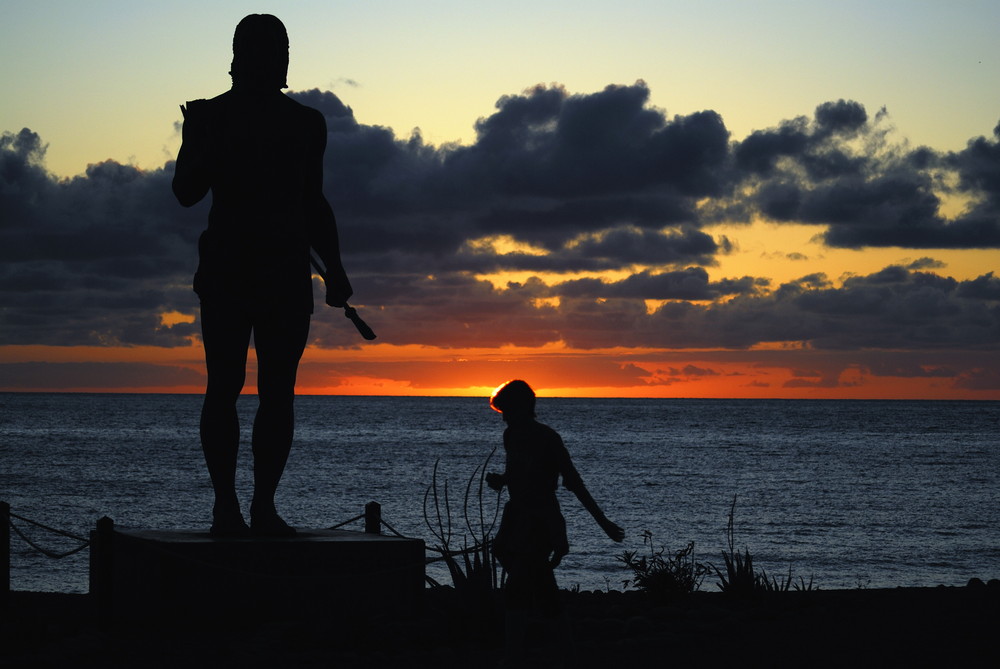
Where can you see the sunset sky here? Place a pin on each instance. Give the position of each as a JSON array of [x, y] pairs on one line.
[[636, 199]]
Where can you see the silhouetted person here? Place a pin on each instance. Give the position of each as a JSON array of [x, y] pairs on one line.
[[261, 155], [531, 541]]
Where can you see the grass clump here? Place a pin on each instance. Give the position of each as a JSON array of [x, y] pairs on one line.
[[663, 576]]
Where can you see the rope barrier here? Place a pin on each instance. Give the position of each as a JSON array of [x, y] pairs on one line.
[[393, 529], [347, 522], [85, 543], [46, 527], [442, 553], [44, 551]]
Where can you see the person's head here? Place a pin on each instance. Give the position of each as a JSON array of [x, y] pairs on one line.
[[514, 399], [260, 52]]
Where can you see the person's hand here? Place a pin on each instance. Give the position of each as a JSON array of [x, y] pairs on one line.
[[196, 130], [494, 481], [614, 532], [337, 296], [338, 288]]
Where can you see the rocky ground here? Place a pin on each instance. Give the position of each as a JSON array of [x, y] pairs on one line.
[[919, 627]]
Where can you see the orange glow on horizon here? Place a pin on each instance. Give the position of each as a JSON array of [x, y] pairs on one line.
[[782, 370]]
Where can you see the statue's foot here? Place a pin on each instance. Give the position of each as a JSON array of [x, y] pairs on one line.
[[270, 525], [229, 524]]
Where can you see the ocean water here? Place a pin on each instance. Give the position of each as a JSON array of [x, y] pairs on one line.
[[846, 493]]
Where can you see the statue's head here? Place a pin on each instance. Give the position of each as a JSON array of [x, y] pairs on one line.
[[260, 52]]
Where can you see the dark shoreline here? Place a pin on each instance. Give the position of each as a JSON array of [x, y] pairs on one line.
[[941, 626]]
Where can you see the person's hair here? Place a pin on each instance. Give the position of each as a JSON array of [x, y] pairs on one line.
[[516, 396], [260, 52]]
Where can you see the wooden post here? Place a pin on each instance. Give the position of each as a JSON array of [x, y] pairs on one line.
[[373, 518], [101, 567], [4, 555]]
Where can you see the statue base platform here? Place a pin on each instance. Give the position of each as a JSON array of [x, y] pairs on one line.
[[139, 574]]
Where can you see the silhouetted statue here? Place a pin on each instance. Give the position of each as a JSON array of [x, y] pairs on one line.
[[531, 541], [261, 155]]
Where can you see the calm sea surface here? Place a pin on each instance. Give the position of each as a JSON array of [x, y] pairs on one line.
[[850, 493]]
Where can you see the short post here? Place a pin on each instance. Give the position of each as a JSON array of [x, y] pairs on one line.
[[373, 518], [101, 567], [4, 555]]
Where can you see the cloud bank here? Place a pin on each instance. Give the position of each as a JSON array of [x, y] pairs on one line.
[[600, 204]]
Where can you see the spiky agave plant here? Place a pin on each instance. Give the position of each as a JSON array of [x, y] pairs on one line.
[[740, 578], [478, 569]]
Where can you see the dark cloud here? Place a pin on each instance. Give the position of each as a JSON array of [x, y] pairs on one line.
[[94, 259], [837, 170], [979, 378], [840, 118], [688, 284], [986, 287], [645, 247], [548, 143], [894, 308], [925, 263], [910, 369], [585, 183], [617, 248], [948, 368], [545, 168], [978, 167]]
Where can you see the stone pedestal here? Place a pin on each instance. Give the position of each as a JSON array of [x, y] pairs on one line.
[[316, 574]]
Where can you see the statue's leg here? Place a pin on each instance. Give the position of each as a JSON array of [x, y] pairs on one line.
[[226, 337], [279, 342]]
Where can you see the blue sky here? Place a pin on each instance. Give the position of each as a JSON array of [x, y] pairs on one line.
[[103, 79]]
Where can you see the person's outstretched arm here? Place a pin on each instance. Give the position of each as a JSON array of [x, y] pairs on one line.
[[573, 482], [614, 532]]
